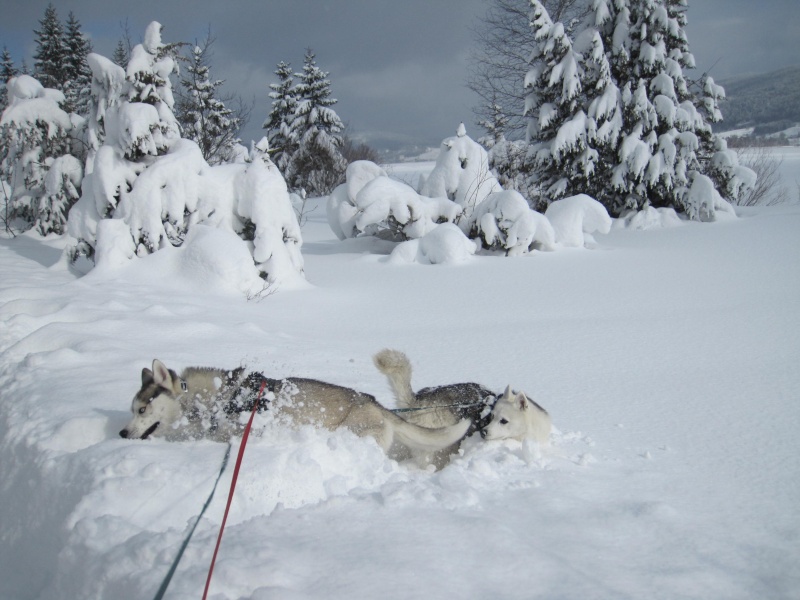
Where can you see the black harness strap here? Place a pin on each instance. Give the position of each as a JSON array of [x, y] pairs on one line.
[[247, 392]]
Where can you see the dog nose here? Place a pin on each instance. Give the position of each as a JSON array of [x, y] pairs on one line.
[[123, 433]]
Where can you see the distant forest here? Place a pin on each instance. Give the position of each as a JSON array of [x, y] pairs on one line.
[[768, 102]]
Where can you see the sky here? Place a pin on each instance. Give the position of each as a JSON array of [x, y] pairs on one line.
[[397, 68]]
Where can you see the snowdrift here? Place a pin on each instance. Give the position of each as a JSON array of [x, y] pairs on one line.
[[670, 385]]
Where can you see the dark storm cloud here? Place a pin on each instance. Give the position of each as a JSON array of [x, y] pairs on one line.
[[398, 68]]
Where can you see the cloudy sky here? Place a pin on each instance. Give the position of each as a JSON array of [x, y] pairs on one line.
[[397, 67]]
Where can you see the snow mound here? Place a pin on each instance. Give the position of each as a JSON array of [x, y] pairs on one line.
[[574, 217], [209, 259], [649, 218], [445, 244], [505, 221]]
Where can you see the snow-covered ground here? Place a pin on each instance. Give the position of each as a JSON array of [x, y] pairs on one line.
[[667, 358]]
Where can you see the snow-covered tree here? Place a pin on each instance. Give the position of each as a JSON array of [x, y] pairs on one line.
[[146, 189], [203, 116], [51, 54], [43, 177], [317, 165], [7, 71], [121, 54], [612, 114], [461, 174], [77, 75], [148, 74], [499, 60], [279, 121]]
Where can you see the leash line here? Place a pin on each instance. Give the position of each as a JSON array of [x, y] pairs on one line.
[[245, 435], [165, 583], [416, 408]]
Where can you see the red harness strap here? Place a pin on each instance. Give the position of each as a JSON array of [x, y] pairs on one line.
[[245, 435]]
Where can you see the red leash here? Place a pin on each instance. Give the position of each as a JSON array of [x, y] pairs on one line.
[[245, 435]]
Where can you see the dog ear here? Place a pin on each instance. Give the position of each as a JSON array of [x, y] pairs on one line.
[[522, 401], [161, 374], [147, 377], [507, 394]]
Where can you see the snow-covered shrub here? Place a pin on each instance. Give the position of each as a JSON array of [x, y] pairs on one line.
[[504, 221], [444, 244], [34, 134], [648, 218], [370, 203], [461, 174], [704, 203], [156, 187], [575, 218]]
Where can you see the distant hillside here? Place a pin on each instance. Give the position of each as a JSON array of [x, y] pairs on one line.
[[769, 102]]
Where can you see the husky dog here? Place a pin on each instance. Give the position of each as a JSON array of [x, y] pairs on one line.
[[203, 402], [515, 416], [510, 415]]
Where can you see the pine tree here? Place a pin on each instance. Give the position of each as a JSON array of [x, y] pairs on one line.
[[148, 76], [7, 71], [203, 117], [78, 76], [7, 68], [121, 54], [50, 56], [36, 162], [612, 115], [317, 165], [559, 130], [279, 121]]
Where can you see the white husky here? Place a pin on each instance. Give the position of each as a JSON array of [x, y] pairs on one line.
[[515, 416], [205, 402], [511, 415]]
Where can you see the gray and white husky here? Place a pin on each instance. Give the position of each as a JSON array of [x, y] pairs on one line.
[[510, 415], [207, 402]]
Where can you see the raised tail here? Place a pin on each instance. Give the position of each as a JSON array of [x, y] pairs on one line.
[[423, 439], [397, 368]]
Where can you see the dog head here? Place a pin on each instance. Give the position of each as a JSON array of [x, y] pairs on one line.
[[155, 407], [509, 417]]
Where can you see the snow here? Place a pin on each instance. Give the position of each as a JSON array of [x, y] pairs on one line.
[[444, 244], [574, 217], [667, 360]]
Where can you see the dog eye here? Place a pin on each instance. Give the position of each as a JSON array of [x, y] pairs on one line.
[[141, 410], [502, 421]]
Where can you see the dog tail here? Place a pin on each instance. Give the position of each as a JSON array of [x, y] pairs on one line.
[[397, 368], [425, 439]]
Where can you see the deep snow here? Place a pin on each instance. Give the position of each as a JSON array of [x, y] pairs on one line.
[[667, 359]]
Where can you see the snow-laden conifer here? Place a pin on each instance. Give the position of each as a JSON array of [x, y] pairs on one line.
[[44, 179], [279, 121], [77, 74], [317, 164], [51, 53], [612, 113], [203, 116], [146, 189]]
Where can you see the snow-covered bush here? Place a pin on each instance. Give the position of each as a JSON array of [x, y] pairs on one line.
[[155, 186], [461, 174], [648, 218], [574, 219], [370, 203], [35, 137], [504, 221], [704, 203], [444, 244]]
